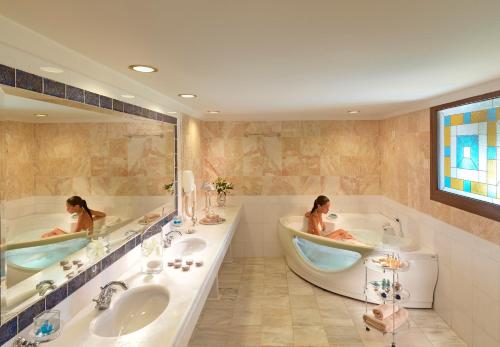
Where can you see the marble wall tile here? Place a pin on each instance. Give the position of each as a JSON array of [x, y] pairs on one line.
[[62, 158], [295, 151]]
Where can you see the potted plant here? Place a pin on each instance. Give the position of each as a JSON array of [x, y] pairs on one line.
[[222, 186]]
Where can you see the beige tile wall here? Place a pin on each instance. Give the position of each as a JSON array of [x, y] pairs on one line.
[[405, 150], [87, 159], [388, 157], [19, 164], [288, 158], [191, 148]]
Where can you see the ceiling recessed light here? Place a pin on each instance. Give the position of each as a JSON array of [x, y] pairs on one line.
[[213, 112], [39, 115], [353, 112], [171, 113], [143, 68], [127, 96], [188, 96], [51, 69]]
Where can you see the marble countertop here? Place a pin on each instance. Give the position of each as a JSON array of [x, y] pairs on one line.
[[187, 294]]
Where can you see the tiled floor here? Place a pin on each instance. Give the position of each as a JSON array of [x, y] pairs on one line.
[[263, 303]]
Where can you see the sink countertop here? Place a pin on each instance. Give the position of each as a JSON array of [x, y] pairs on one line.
[[187, 294]]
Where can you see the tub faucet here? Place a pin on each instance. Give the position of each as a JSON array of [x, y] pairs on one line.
[[169, 237], [44, 286], [107, 291]]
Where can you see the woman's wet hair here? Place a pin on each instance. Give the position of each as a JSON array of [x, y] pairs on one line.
[[320, 201], [78, 201]]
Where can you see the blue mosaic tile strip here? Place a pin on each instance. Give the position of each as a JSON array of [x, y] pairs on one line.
[[8, 330], [75, 94], [25, 318], [76, 283], [91, 98], [28, 81], [56, 296], [117, 105], [7, 75], [130, 245], [54, 88], [105, 102], [107, 261], [24, 80], [92, 271]]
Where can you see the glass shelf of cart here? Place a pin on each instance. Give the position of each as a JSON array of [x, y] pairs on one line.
[[387, 292], [386, 263]]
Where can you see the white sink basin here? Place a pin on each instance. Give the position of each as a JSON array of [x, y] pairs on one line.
[[189, 246], [134, 310]]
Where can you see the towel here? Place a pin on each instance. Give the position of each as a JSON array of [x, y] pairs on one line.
[[383, 311], [389, 324]]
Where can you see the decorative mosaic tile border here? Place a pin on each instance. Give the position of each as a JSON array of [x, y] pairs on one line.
[[24, 80], [16, 324]]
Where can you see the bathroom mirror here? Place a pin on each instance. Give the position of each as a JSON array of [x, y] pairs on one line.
[[52, 149]]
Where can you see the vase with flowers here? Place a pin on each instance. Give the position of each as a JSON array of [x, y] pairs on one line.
[[222, 186]]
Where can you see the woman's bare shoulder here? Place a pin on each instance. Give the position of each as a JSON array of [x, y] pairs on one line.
[[308, 214]]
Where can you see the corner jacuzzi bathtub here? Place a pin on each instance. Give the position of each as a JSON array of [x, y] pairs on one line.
[[25, 262], [337, 266]]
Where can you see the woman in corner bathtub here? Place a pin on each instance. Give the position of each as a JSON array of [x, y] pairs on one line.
[[86, 216], [316, 224]]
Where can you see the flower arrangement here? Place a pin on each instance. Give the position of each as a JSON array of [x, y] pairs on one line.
[[169, 188], [221, 185]]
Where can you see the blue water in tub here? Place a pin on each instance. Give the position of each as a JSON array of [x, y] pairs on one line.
[[326, 258], [40, 257]]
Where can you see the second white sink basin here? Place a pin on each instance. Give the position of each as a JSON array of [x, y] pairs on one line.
[[189, 246], [134, 310]]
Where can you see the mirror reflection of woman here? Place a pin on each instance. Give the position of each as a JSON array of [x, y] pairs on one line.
[[86, 217], [315, 220]]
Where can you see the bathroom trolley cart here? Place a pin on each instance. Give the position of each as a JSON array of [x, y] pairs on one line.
[[385, 290]]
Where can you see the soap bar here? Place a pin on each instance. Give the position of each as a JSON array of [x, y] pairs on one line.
[[185, 268], [170, 263], [177, 265], [178, 260], [199, 263], [63, 262], [67, 266], [189, 261]]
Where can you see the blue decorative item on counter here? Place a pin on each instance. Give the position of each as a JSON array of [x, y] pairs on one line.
[[46, 325]]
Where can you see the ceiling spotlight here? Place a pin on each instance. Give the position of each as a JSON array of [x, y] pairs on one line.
[[143, 68], [51, 69], [213, 112], [171, 113], [188, 96], [39, 115], [353, 112], [127, 96]]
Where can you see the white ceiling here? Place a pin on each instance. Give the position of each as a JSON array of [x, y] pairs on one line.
[[283, 59]]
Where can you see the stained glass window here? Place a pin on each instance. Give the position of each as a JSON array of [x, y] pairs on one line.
[[469, 150]]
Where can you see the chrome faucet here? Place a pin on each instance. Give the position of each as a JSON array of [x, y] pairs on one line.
[[44, 286], [107, 291], [169, 237]]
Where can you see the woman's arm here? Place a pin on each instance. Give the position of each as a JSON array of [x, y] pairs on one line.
[[97, 214]]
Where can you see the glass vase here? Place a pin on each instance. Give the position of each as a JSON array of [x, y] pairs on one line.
[[152, 256], [221, 199]]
